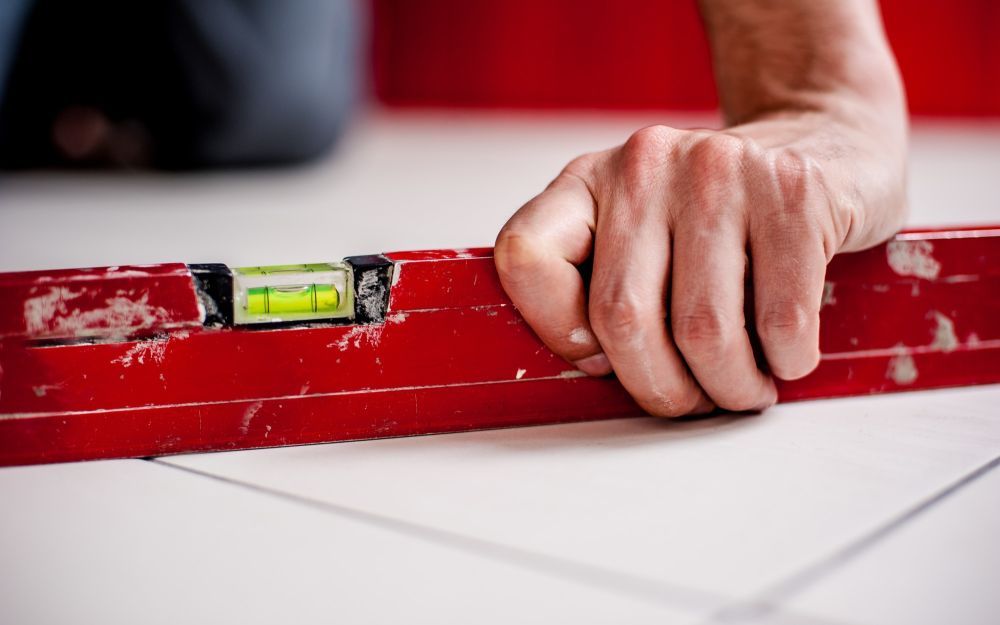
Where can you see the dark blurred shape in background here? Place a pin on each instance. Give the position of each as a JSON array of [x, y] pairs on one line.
[[174, 83]]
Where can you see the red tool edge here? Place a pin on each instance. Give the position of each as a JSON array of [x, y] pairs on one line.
[[119, 362]]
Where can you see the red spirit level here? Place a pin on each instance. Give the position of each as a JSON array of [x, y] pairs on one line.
[[161, 359]]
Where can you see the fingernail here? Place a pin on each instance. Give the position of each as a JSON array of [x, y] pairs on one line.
[[595, 365]]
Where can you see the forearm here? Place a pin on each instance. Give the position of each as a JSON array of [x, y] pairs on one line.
[[772, 57], [817, 77]]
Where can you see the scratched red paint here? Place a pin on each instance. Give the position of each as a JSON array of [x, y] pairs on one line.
[[70, 303]]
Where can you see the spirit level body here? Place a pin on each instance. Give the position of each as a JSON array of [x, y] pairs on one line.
[[138, 361]]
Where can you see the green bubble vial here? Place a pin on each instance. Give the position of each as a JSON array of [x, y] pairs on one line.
[[290, 293]]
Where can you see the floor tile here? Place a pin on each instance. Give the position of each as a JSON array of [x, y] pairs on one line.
[[943, 566], [138, 542], [729, 505]]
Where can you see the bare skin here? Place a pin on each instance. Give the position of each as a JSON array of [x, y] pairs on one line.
[[812, 163]]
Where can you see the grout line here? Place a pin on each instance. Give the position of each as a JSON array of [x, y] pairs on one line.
[[663, 594], [770, 599]]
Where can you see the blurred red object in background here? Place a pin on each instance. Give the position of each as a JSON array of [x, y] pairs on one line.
[[643, 54]]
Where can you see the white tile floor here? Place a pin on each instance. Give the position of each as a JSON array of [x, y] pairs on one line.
[[867, 510], [940, 567], [728, 509], [130, 541]]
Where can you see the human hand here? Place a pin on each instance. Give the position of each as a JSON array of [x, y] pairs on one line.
[[675, 222]]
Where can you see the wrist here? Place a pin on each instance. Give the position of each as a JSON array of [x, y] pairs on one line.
[[859, 150]]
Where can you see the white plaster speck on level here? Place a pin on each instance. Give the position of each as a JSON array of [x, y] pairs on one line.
[[913, 258], [828, 297], [154, 349], [370, 294], [373, 333], [49, 314], [902, 370], [944, 334], [43, 389], [39, 311], [248, 416], [125, 273], [397, 317]]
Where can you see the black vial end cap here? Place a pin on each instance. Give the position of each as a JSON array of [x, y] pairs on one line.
[[372, 277], [214, 282]]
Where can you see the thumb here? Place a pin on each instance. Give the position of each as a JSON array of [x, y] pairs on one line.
[[537, 253]]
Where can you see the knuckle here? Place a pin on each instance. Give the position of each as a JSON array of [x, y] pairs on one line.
[[719, 153], [703, 331], [804, 200], [785, 323], [650, 139], [582, 166], [795, 176], [517, 254], [642, 158], [793, 164], [618, 320]]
